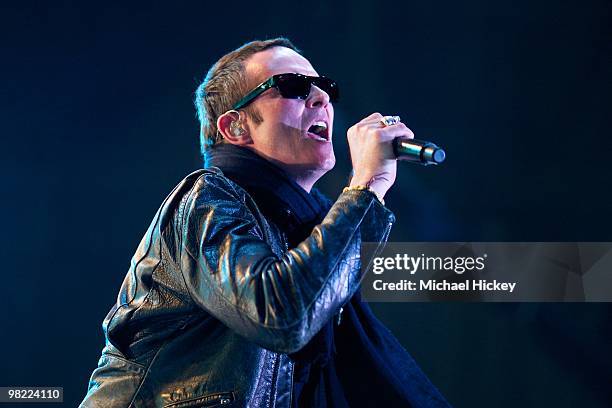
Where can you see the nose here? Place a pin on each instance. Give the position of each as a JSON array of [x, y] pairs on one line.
[[317, 98]]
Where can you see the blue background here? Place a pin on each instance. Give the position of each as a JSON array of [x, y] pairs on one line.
[[98, 126]]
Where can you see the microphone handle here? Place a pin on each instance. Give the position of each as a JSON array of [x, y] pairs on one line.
[[417, 151]]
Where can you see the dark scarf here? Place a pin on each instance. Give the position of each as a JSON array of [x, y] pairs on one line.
[[358, 363]]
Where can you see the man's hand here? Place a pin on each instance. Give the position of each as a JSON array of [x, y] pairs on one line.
[[371, 146]]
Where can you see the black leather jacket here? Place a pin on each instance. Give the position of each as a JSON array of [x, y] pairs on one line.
[[214, 301]]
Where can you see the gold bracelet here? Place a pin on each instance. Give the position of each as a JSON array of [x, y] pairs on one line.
[[362, 188]]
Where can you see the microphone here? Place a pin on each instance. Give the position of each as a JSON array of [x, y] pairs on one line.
[[417, 151]]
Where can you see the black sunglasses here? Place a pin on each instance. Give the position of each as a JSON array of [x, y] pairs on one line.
[[293, 86]]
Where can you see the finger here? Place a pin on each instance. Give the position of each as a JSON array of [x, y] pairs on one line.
[[375, 115], [372, 123], [398, 127], [397, 130], [378, 121]]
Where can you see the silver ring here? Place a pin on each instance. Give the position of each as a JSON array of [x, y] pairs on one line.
[[390, 120]]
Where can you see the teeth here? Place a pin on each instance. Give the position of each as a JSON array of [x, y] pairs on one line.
[[318, 130], [317, 137]]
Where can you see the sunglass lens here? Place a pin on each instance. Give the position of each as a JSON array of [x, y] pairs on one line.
[[298, 86], [294, 86], [329, 86]]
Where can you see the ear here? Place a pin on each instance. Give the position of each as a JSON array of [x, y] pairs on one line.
[[233, 128]]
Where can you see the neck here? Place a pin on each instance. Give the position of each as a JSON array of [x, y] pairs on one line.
[[304, 176]]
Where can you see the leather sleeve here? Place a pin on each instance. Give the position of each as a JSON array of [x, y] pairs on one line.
[[277, 302]]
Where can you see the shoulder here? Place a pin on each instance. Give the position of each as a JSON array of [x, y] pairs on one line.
[[203, 189], [215, 206], [213, 198], [210, 187]]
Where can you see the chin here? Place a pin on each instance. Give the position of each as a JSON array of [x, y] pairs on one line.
[[318, 165], [323, 165], [323, 156], [329, 163]]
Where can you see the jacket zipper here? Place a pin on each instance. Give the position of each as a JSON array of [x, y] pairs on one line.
[[291, 384], [211, 400], [274, 379]]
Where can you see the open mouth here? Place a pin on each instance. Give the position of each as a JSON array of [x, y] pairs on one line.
[[319, 131]]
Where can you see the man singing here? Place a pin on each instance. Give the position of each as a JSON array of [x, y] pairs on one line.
[[244, 290]]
